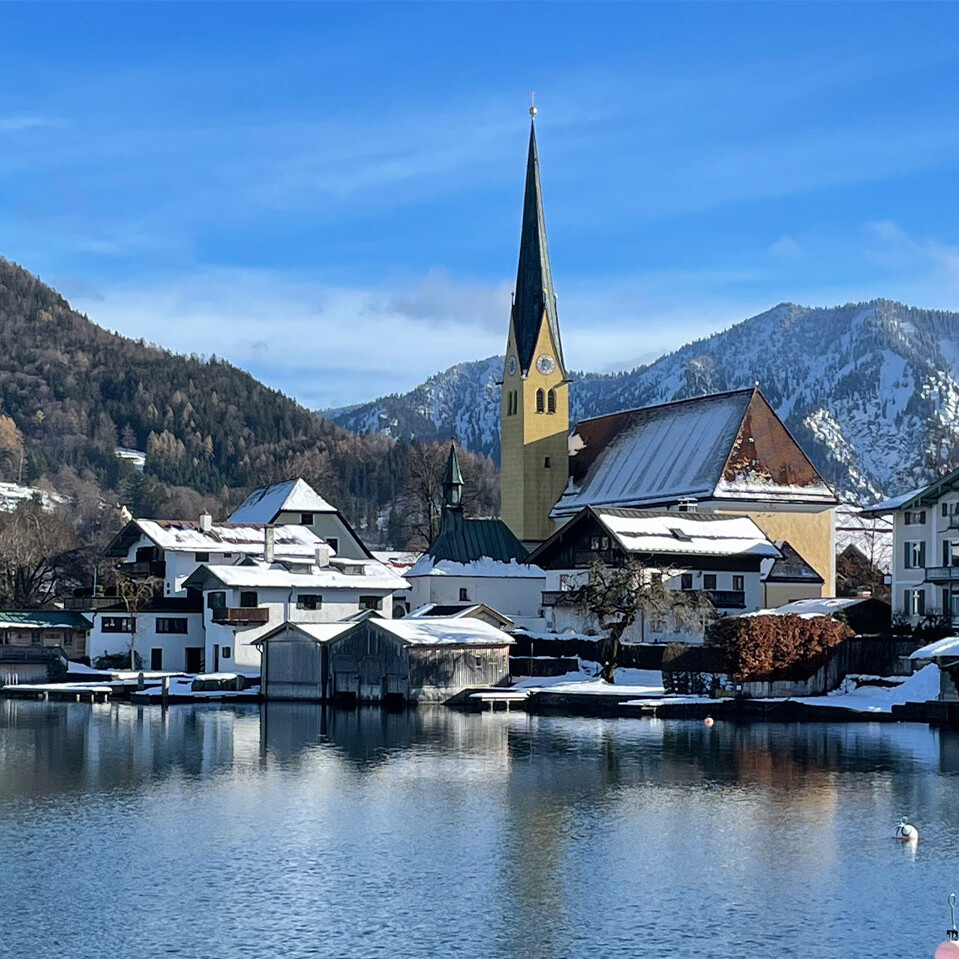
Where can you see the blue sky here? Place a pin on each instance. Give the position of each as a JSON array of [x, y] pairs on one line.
[[329, 195]]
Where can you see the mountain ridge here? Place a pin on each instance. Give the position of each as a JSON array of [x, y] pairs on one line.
[[870, 389]]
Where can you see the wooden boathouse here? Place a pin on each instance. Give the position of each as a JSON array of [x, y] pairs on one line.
[[381, 660]]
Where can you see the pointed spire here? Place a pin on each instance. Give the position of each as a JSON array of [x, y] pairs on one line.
[[534, 279], [453, 482]]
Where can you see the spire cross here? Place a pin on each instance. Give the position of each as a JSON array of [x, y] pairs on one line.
[[532, 103]]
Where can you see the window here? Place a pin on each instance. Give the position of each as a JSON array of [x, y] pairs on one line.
[[156, 658], [564, 582], [371, 602], [172, 624], [464, 594], [709, 580], [915, 554], [594, 542], [202, 557], [546, 463], [739, 583], [309, 601], [116, 624], [914, 602], [540, 401], [334, 543], [916, 517], [551, 401], [216, 599], [686, 581], [226, 652], [945, 509], [512, 404], [306, 519], [67, 640], [35, 639], [604, 542], [249, 599]]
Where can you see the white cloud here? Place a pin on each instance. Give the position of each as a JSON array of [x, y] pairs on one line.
[[785, 248]]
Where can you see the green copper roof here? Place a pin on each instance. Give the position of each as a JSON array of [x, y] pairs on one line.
[[534, 279], [463, 540], [43, 618], [453, 475]]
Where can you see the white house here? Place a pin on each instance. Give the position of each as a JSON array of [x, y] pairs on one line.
[[168, 634], [242, 603], [721, 556], [475, 561], [925, 554], [170, 550], [296, 503]]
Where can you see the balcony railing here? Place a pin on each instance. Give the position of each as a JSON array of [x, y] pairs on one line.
[[89, 603], [240, 615], [144, 568], [555, 597], [942, 574], [727, 598]]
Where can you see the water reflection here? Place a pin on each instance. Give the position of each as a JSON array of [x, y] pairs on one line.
[[426, 832]]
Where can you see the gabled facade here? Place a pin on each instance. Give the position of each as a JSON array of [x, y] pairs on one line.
[[296, 503], [721, 556], [728, 453], [534, 405], [925, 555]]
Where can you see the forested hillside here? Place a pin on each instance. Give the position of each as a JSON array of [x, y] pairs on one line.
[[71, 392]]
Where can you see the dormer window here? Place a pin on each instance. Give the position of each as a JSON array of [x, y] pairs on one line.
[[306, 519]]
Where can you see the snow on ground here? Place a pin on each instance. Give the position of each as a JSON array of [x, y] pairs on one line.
[[918, 688], [629, 682]]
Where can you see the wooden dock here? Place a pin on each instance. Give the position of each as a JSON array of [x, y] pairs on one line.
[[58, 692]]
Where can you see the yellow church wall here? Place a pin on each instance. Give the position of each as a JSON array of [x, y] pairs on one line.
[[812, 534], [528, 488]]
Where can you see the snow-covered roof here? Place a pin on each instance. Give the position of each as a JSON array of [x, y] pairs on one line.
[[185, 536], [398, 559], [319, 632], [688, 449], [485, 568], [695, 534], [826, 606], [438, 631], [894, 502], [293, 496], [868, 532], [260, 576], [941, 647]]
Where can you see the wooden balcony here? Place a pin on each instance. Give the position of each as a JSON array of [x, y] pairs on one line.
[[240, 615], [727, 598], [143, 568], [942, 574]]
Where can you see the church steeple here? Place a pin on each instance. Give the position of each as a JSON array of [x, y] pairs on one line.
[[534, 298], [453, 483], [534, 406]]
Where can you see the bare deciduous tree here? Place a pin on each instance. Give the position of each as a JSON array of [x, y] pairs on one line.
[[34, 549], [617, 595], [136, 595]]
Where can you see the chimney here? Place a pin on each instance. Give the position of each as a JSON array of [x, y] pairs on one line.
[[269, 544], [323, 554], [206, 522]]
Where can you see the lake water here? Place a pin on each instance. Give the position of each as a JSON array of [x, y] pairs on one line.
[[284, 832]]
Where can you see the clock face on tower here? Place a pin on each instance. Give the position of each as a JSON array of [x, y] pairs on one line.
[[546, 364], [511, 366]]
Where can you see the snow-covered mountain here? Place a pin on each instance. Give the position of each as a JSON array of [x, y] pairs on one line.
[[871, 391]]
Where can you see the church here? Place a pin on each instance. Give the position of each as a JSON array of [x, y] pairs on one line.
[[722, 454]]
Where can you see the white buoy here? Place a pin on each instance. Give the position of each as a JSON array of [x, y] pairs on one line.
[[950, 948], [709, 721], [906, 832]]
